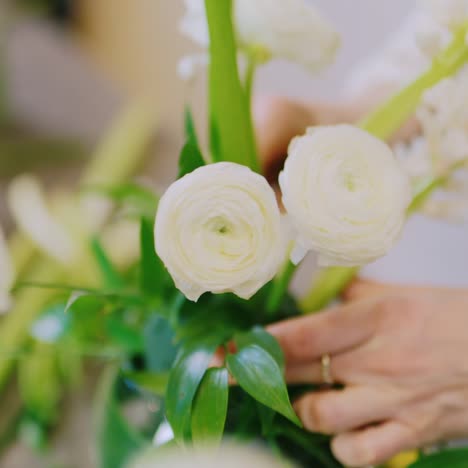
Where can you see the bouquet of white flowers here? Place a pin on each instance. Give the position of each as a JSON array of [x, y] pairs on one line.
[[187, 322]]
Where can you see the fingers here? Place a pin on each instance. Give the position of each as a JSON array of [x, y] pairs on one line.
[[373, 445], [335, 411], [337, 330]]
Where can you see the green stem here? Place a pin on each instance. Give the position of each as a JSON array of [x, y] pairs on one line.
[[383, 123], [231, 130], [279, 288]]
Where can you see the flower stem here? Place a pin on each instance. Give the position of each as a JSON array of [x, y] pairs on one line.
[[383, 123], [279, 288]]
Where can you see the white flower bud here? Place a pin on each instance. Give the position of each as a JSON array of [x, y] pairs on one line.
[[219, 229], [346, 195]]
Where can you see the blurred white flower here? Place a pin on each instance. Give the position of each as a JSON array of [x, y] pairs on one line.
[[228, 456], [288, 29], [28, 206], [443, 115], [219, 229], [346, 195], [188, 65], [7, 275], [449, 13]]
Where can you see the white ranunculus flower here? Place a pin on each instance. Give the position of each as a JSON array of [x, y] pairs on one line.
[[286, 29], [6, 275], [346, 195], [219, 229], [228, 456]]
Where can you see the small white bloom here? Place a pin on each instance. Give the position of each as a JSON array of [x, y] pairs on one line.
[[449, 13], [28, 206], [288, 29], [443, 115], [346, 195], [188, 65], [7, 275], [218, 229]]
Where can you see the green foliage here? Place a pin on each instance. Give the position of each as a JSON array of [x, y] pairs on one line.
[[258, 336], [190, 159], [117, 442], [160, 346], [153, 274], [454, 458], [110, 276], [257, 372], [210, 407], [149, 381], [184, 380], [232, 136], [41, 400], [139, 200]]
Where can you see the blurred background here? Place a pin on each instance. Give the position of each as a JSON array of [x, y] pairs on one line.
[[69, 67]]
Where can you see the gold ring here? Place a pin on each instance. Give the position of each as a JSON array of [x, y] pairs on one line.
[[326, 369]]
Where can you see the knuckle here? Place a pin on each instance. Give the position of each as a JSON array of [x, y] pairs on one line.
[[321, 414]]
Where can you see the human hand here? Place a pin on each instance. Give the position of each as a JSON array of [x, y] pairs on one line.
[[400, 353]]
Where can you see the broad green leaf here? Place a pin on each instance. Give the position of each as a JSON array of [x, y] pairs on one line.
[[210, 406], [258, 336], [127, 338], [229, 108], [153, 274], [257, 372], [455, 458], [190, 158], [110, 275], [116, 441], [141, 199], [151, 382], [160, 347], [184, 380], [267, 417]]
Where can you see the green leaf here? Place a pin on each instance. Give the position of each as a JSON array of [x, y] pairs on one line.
[[153, 274], [257, 372], [190, 159], [116, 441], [160, 347], [229, 109], [149, 381], [184, 380], [210, 406], [127, 338], [455, 458], [258, 336], [110, 275], [190, 131]]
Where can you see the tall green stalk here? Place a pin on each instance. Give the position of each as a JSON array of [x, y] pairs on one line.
[[383, 123], [231, 130]]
